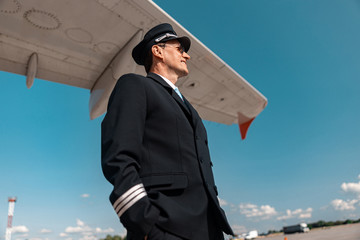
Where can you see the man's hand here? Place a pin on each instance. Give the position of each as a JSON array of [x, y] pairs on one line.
[[145, 238]]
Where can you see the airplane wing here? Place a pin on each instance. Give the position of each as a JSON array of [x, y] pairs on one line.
[[88, 44]]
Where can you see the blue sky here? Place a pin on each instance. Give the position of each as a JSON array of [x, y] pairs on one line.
[[299, 163]]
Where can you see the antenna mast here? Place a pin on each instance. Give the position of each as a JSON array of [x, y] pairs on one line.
[[10, 217]]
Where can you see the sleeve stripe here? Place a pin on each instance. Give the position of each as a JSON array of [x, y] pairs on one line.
[[128, 197], [132, 202], [127, 193]]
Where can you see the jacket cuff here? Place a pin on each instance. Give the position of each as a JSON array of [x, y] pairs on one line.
[[129, 198], [141, 217]]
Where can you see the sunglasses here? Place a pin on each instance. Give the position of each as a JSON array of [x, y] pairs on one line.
[[180, 48]]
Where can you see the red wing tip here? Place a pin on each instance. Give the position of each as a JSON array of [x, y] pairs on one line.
[[244, 128]]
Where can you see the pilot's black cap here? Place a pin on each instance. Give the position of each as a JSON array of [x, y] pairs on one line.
[[158, 34]]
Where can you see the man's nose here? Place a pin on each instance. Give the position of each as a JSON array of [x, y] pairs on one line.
[[186, 55]]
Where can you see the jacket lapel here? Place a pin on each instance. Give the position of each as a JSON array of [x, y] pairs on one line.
[[194, 114], [182, 104]]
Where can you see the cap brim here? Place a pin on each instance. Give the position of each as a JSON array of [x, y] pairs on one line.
[[140, 52], [184, 41]]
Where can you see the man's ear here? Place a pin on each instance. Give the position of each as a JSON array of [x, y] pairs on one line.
[[157, 51]]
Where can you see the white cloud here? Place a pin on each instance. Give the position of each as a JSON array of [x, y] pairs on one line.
[[80, 228], [85, 195], [305, 215], [238, 229], [247, 205], [44, 230], [342, 205], [252, 210], [80, 223], [88, 237], [74, 229], [19, 229], [351, 187], [287, 216], [222, 202], [108, 230], [86, 232], [348, 205], [298, 213], [63, 235], [21, 236]]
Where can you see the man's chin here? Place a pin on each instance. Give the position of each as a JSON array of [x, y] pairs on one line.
[[183, 73]]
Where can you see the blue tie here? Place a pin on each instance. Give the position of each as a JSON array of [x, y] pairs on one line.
[[178, 92]]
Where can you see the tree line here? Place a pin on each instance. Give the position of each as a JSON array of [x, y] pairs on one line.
[[320, 224], [115, 237]]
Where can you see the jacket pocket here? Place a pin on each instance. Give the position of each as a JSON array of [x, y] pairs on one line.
[[165, 181]]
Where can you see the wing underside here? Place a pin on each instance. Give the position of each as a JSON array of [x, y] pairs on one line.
[[88, 44]]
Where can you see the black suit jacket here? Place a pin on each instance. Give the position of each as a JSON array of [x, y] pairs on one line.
[[155, 143]]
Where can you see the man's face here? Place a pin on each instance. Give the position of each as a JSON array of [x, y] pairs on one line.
[[175, 58]]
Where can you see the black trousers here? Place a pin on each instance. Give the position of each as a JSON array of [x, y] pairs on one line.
[[158, 234], [213, 231]]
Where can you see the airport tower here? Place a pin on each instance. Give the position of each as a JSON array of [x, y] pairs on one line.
[[10, 217]]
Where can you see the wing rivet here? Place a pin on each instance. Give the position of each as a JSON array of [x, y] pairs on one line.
[[16, 7], [41, 19]]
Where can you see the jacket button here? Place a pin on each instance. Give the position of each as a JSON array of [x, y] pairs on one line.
[[201, 160], [197, 137]]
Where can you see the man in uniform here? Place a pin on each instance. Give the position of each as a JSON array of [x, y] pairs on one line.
[[155, 149]]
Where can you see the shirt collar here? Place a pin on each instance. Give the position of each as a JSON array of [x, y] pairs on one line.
[[168, 81]]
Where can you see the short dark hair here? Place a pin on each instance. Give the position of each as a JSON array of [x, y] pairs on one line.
[[148, 61]]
